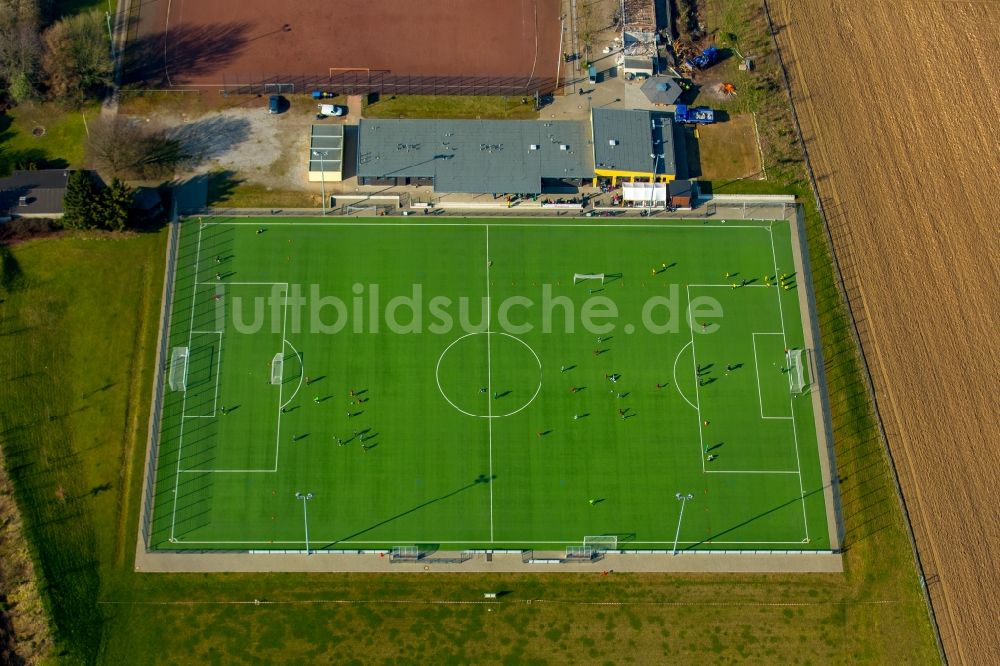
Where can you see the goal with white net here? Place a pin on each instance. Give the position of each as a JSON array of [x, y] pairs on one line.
[[796, 370], [277, 368], [177, 378], [580, 553], [601, 542], [580, 277], [279, 88], [404, 553]]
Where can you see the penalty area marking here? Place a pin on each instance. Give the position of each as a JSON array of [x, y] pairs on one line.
[[677, 385]]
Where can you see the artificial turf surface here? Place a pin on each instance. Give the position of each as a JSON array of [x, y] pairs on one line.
[[529, 462]]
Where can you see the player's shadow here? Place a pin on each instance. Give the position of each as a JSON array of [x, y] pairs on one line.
[[480, 480]]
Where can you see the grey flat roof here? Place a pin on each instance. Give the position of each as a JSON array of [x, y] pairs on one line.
[[43, 189], [330, 139], [636, 136], [668, 95], [475, 155]]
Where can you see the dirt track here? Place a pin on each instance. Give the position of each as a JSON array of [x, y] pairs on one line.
[[204, 42], [898, 104]]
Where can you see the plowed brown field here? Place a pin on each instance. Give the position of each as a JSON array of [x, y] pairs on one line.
[[899, 104]]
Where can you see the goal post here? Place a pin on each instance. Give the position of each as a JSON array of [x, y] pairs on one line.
[[177, 377], [796, 359], [580, 277], [279, 88], [601, 542], [404, 553], [277, 368]]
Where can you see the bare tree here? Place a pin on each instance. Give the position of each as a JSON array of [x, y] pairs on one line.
[[20, 48], [123, 148]]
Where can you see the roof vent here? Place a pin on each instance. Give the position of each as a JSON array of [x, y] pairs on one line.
[[534, 146], [563, 146], [612, 142]]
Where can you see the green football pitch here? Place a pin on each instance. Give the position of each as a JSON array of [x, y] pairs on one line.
[[450, 384]]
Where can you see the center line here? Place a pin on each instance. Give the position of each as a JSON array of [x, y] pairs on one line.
[[489, 372]]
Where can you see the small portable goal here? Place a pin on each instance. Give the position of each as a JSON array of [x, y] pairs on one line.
[[277, 368]]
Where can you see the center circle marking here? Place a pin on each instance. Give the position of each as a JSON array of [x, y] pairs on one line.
[[437, 375]]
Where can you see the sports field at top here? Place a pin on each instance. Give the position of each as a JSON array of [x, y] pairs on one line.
[[458, 384]]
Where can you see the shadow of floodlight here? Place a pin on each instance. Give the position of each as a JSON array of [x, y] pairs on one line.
[[482, 479]]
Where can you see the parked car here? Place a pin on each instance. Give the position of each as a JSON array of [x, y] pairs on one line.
[[334, 110], [276, 104]]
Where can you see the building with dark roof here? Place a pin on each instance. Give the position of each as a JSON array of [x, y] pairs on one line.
[[33, 193], [661, 90], [635, 145], [474, 156]]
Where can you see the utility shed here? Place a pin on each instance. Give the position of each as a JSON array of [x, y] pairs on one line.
[[326, 153]]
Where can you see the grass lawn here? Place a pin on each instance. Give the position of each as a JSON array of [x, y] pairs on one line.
[[225, 190], [61, 145], [726, 150], [451, 106], [499, 432], [73, 334]]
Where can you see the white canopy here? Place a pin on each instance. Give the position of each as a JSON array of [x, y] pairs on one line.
[[655, 192]]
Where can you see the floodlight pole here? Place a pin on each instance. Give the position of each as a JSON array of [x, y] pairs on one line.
[[305, 497], [321, 154], [683, 500], [652, 183]]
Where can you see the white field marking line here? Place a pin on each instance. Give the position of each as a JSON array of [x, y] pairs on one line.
[[760, 395], [677, 385], [729, 286], [534, 61], [302, 377], [218, 373], [228, 471], [180, 434], [581, 225], [437, 375], [410, 542], [281, 386], [255, 283], [489, 371], [791, 400], [697, 390], [166, 42], [751, 471], [278, 436]]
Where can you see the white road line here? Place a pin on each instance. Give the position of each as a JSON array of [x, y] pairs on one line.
[[180, 434], [489, 372]]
